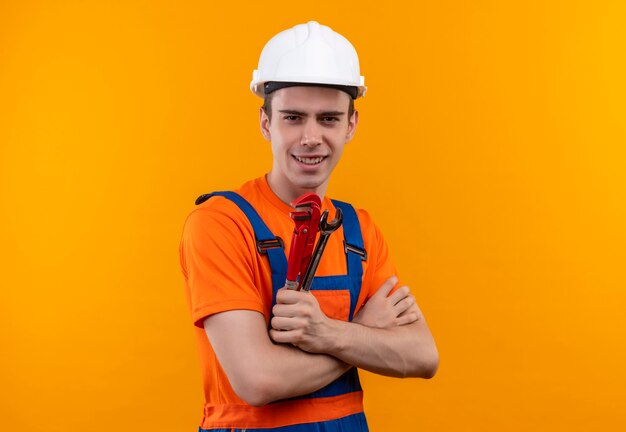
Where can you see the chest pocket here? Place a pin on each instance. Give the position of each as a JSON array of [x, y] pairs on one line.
[[335, 295], [334, 303]]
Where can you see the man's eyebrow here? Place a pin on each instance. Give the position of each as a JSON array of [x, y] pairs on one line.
[[321, 114], [293, 112], [331, 113]]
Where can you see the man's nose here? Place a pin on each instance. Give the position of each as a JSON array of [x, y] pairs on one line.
[[311, 134]]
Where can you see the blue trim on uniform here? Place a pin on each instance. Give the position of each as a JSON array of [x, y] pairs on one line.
[[352, 235], [351, 423]]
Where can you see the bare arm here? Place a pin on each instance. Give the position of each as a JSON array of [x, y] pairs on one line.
[[260, 371], [401, 350]]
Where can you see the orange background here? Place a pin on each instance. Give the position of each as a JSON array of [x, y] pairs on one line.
[[491, 151]]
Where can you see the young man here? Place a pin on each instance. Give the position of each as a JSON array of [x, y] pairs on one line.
[[278, 359]]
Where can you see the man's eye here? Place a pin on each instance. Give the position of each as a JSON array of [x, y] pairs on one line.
[[330, 119], [292, 118]]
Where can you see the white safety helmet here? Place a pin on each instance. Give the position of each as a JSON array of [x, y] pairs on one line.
[[308, 54]]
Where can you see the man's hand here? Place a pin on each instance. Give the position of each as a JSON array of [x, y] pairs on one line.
[[385, 311], [298, 320]]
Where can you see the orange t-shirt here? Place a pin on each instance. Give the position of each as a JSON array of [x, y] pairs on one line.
[[223, 271]]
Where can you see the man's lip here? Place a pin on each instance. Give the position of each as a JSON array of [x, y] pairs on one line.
[[309, 156]]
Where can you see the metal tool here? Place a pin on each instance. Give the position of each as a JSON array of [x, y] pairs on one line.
[[306, 217], [326, 229]]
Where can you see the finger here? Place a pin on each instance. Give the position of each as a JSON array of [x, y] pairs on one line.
[[284, 310], [399, 294], [403, 304], [407, 319], [285, 324], [386, 287], [413, 309], [287, 296], [290, 336]]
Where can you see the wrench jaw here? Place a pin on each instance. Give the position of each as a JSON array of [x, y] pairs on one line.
[[333, 225], [306, 216]]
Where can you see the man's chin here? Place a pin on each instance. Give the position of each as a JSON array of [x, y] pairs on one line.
[[305, 188], [308, 185]]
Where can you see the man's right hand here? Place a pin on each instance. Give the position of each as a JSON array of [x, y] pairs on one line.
[[384, 310]]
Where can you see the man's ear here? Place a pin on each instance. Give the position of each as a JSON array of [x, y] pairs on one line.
[[264, 123], [352, 123]]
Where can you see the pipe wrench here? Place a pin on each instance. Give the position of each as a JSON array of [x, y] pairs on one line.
[[306, 216]]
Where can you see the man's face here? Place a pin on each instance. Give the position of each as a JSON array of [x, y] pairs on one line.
[[308, 131]]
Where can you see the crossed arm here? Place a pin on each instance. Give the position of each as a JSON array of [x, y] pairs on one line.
[[389, 336]]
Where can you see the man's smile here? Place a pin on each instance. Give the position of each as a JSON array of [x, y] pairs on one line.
[[309, 160]]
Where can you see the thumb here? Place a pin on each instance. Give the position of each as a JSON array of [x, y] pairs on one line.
[[386, 287]]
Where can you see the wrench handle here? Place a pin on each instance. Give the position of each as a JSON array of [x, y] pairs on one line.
[[292, 285], [307, 280]]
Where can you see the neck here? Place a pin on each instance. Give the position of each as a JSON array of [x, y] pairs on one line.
[[288, 192]]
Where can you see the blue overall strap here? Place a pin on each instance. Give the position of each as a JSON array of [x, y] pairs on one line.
[[355, 250], [266, 242]]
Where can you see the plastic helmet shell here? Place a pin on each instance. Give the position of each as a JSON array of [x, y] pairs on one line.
[[308, 53]]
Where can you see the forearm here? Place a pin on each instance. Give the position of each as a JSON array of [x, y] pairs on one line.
[[398, 350], [401, 351], [260, 371], [285, 371]]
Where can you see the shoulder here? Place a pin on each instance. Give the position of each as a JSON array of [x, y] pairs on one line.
[[216, 207], [217, 216], [372, 235], [370, 232], [365, 219]]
